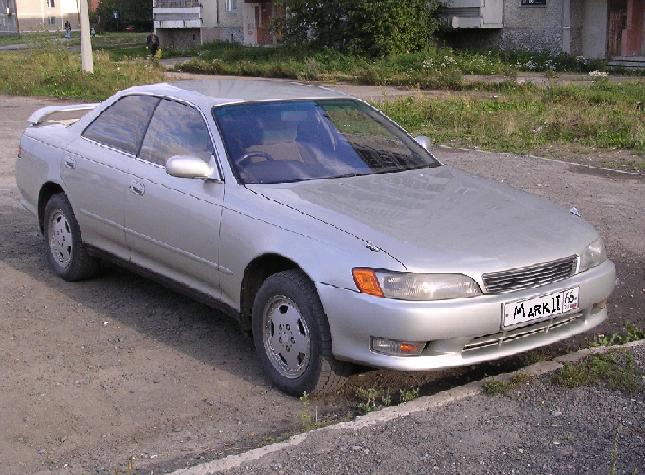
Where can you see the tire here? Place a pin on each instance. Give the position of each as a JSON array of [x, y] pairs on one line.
[[66, 253], [287, 320]]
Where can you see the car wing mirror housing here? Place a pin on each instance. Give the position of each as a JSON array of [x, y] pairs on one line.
[[424, 141], [187, 166]]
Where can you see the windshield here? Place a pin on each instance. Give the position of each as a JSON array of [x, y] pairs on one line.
[[288, 141]]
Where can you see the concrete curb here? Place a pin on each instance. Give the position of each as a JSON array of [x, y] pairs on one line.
[[388, 413]]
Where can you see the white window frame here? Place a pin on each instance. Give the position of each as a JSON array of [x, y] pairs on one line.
[[231, 5]]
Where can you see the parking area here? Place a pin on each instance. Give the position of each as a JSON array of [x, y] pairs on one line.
[[95, 373]]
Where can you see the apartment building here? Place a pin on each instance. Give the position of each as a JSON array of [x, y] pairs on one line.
[[188, 23], [8, 19], [610, 29], [37, 15]]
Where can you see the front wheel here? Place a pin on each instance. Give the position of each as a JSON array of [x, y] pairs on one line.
[[66, 253], [292, 337]]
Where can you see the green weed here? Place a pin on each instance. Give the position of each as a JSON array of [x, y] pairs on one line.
[[615, 370], [496, 387], [407, 395], [370, 399], [630, 333]]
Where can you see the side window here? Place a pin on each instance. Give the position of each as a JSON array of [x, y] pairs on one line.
[[123, 124], [176, 129]]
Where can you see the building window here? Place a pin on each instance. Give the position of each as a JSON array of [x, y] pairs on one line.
[[51, 3], [52, 20], [231, 5]]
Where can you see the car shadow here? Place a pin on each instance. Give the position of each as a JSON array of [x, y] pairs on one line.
[[168, 317]]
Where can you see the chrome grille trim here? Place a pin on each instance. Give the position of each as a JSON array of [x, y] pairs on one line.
[[505, 337], [529, 277]]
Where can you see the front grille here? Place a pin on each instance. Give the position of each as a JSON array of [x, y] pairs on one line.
[[529, 277], [529, 330]]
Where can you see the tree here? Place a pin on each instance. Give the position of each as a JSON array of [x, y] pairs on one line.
[[375, 27], [137, 13]]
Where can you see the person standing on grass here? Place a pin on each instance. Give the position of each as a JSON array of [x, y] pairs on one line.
[[68, 29], [152, 42]]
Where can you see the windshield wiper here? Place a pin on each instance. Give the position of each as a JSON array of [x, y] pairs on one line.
[[348, 175]]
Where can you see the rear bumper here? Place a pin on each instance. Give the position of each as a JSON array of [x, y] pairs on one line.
[[460, 331]]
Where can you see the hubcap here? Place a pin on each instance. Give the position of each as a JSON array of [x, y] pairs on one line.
[[60, 238], [286, 337]]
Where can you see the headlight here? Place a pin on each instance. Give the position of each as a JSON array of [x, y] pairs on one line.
[[408, 286], [593, 255]]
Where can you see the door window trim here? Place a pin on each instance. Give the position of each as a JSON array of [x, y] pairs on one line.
[[215, 155], [110, 147]]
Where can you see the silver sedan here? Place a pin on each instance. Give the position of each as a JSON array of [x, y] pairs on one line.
[[314, 220]]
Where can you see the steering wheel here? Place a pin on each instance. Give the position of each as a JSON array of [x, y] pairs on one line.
[[246, 159]]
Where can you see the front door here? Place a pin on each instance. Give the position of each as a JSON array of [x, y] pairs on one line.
[[616, 24], [263, 19], [172, 224]]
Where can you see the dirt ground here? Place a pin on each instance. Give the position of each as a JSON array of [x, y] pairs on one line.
[[94, 373]]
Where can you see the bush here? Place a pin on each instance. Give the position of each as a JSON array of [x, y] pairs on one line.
[[382, 27]]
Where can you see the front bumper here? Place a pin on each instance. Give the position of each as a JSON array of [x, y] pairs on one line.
[[459, 331]]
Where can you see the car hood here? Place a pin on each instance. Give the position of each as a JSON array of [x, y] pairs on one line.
[[440, 219]]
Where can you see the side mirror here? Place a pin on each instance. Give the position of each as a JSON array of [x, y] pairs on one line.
[[424, 141], [186, 166]]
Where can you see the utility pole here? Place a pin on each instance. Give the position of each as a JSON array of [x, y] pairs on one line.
[[87, 61], [15, 4]]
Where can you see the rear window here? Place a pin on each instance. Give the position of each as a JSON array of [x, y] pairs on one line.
[[123, 124]]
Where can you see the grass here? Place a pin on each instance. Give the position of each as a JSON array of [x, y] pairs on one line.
[[504, 118], [433, 68], [615, 370], [103, 40], [56, 72], [528, 118], [497, 387]]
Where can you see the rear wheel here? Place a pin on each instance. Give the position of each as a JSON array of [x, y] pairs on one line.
[[66, 253], [292, 337]]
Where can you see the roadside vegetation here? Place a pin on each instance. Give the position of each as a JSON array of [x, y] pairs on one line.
[[528, 118], [559, 120], [631, 332], [498, 387], [430, 68], [616, 370], [57, 72]]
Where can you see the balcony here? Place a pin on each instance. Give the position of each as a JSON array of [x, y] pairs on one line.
[[177, 14], [177, 4], [474, 13]]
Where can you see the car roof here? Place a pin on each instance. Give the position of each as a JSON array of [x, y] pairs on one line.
[[230, 91]]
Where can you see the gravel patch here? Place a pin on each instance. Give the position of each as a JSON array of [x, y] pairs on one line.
[[539, 427]]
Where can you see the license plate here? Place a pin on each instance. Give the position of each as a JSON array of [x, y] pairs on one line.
[[545, 306]]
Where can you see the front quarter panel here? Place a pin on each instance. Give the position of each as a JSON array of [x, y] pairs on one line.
[[253, 226]]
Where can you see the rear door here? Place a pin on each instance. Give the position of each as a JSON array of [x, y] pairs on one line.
[[172, 224], [96, 167]]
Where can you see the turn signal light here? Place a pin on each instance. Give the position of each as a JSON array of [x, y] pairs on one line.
[[397, 348], [366, 281]]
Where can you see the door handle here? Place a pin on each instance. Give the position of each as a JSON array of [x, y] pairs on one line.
[[137, 188], [70, 163]]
